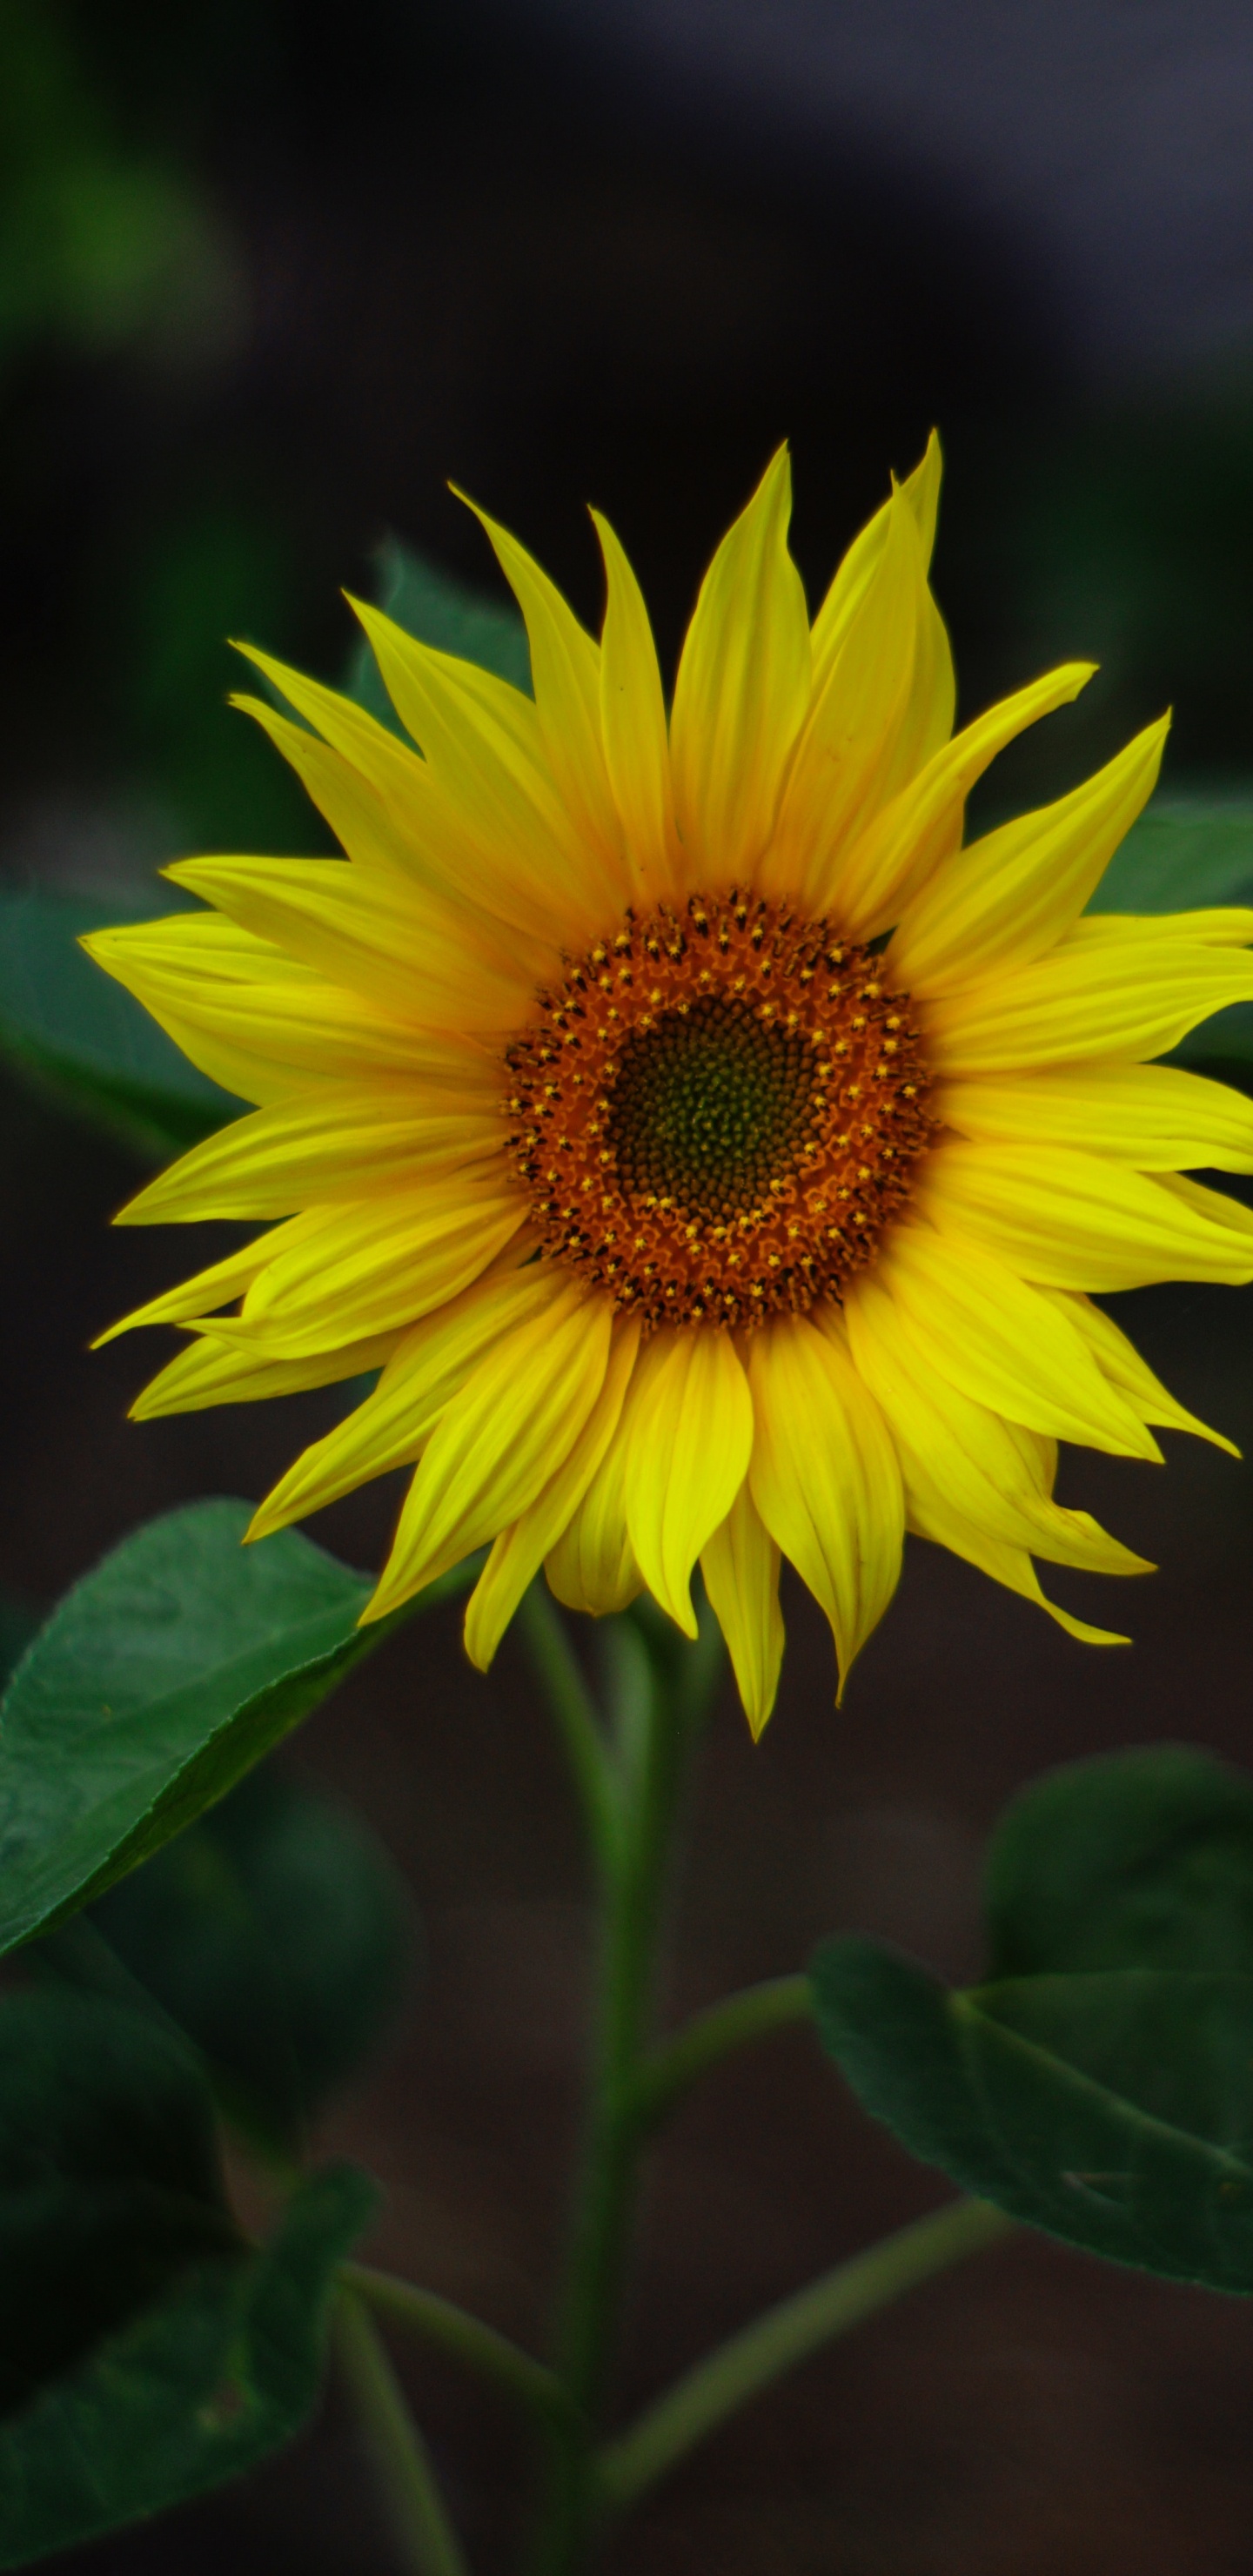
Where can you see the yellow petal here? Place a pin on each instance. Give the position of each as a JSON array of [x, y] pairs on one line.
[[520, 1551], [1152, 1116], [1125, 1369], [962, 1454], [857, 567], [824, 1476], [344, 1144], [485, 747], [494, 1448], [376, 1268], [691, 1434], [1117, 998], [972, 1320], [592, 1566], [211, 1371], [565, 673], [217, 1286], [1007, 898], [844, 766], [868, 886], [742, 691], [633, 728], [932, 1517], [1064, 1219], [265, 1025], [740, 1564], [425, 1370], [397, 945]]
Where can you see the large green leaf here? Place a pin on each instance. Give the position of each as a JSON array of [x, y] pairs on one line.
[[1100, 2084], [78, 1034], [428, 603], [149, 2352], [158, 1681], [1185, 853], [279, 1935]]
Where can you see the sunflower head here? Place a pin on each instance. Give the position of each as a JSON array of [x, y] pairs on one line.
[[714, 1152]]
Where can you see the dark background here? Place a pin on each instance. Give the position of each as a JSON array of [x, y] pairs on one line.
[[269, 275]]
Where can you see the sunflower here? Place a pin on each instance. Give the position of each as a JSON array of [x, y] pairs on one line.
[[714, 1154]]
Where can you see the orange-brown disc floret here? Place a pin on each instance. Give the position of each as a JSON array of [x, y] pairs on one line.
[[718, 1111]]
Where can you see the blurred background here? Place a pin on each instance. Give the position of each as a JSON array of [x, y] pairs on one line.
[[270, 274]]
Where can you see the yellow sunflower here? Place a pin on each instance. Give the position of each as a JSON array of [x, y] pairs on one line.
[[714, 1155]]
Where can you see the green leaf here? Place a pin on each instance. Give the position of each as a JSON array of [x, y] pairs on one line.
[[1114, 2111], [1185, 853], [1100, 2084], [73, 1031], [428, 603], [158, 1681], [1134, 1860], [279, 1936], [150, 2353]]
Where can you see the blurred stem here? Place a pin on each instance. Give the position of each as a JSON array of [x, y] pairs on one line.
[[425, 2535], [657, 1698], [777, 2004], [786, 2335], [440, 2321], [578, 1723]]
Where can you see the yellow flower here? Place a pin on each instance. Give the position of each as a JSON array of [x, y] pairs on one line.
[[714, 1155]]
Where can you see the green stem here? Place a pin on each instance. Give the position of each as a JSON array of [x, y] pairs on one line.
[[401, 2459], [573, 1707], [787, 2334], [679, 2062], [492, 2355], [654, 1723]]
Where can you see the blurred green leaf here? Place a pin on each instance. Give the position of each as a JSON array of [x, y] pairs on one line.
[[428, 603], [150, 2353], [70, 1027], [1100, 2085], [278, 1934], [1185, 853], [109, 2178], [158, 1681], [1133, 1860]]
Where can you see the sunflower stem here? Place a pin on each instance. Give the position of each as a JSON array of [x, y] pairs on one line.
[[578, 1723], [482, 2348], [654, 1721], [679, 2062], [424, 2535], [787, 2334]]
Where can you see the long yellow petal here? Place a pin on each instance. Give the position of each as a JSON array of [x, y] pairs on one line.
[[740, 1564], [211, 1371], [519, 1552], [975, 1322], [857, 566], [933, 1517], [264, 1024], [217, 1286], [492, 1451], [742, 690], [592, 1565], [633, 728], [1122, 999], [375, 1268], [348, 1143], [1125, 1369], [843, 768], [565, 674], [485, 746], [426, 1368], [959, 1451], [395, 944], [867, 887], [1064, 1219], [1005, 899], [691, 1438], [825, 1477], [1153, 1116]]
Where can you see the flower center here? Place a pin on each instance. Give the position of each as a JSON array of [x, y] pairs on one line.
[[717, 1113]]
